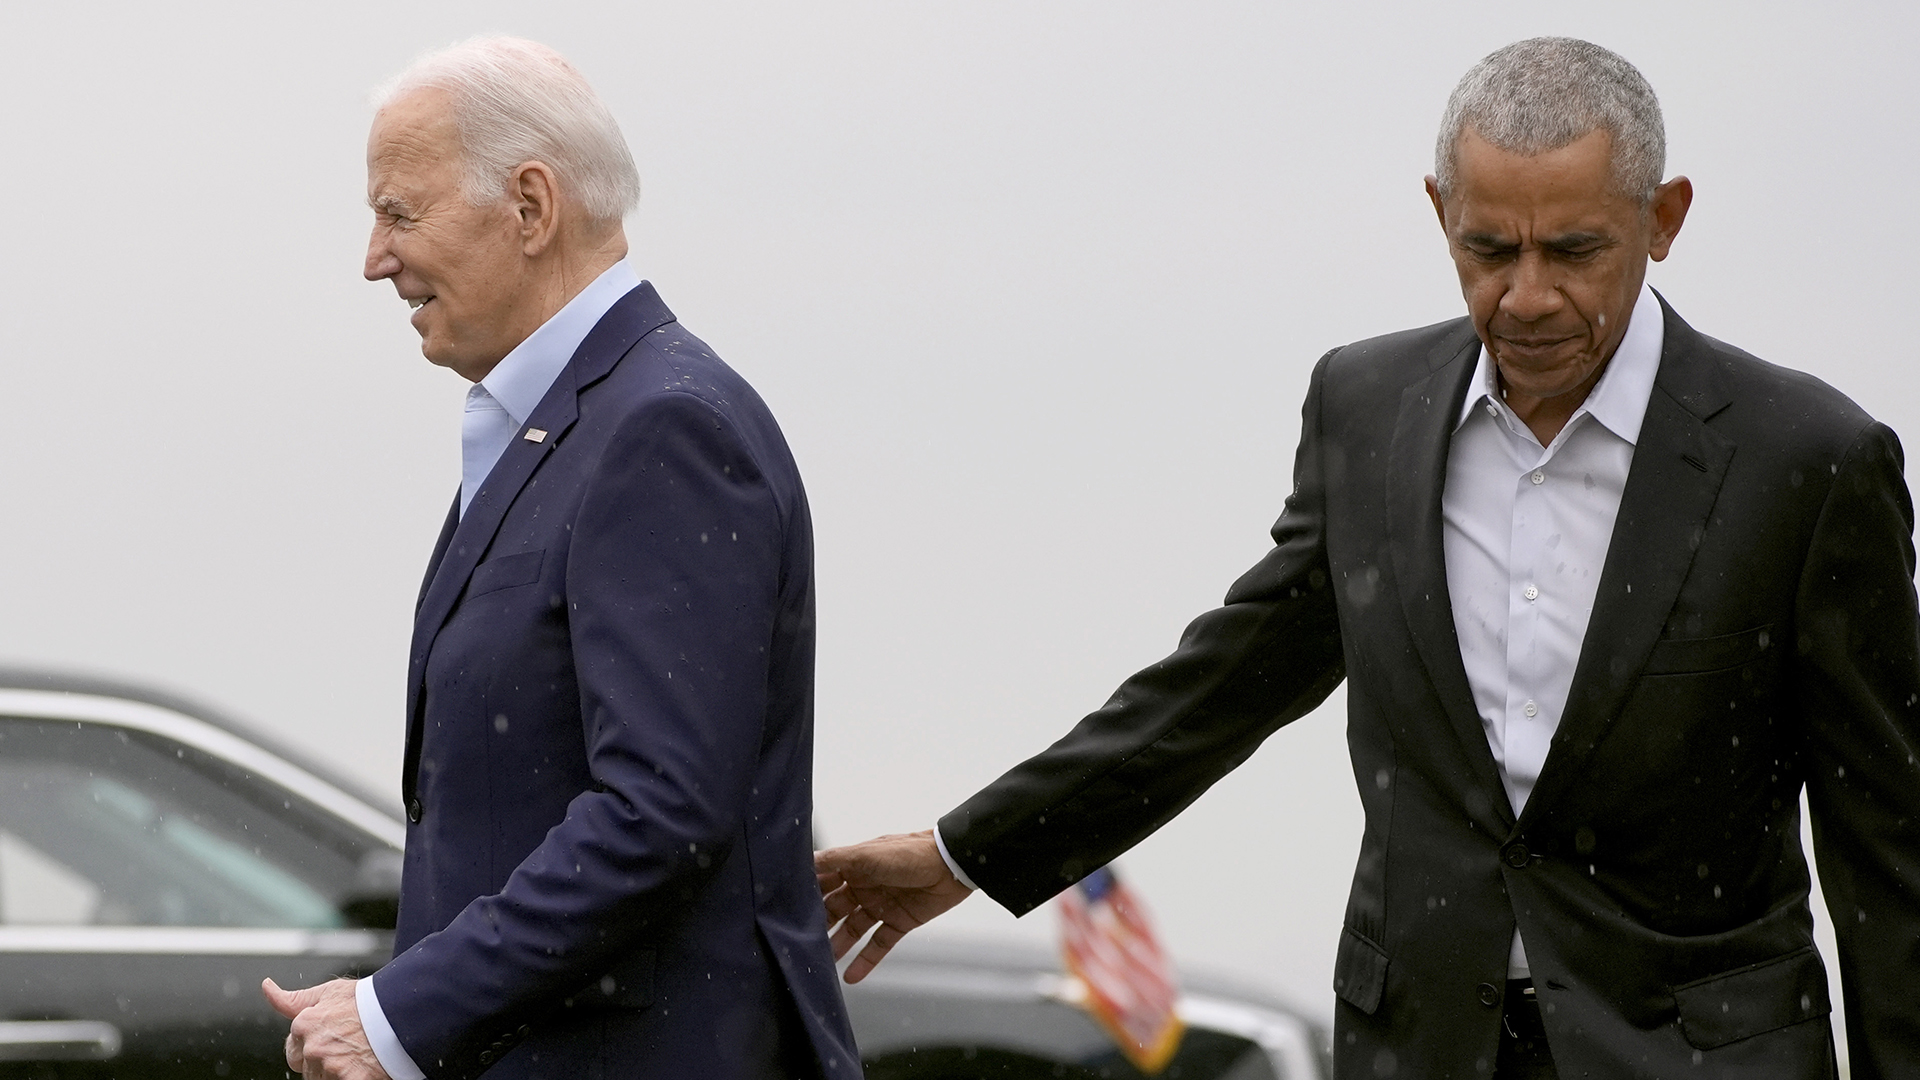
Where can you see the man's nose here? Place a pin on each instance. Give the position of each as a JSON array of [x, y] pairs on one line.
[[1533, 292], [382, 263]]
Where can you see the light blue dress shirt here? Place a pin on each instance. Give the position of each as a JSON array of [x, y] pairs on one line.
[[497, 406]]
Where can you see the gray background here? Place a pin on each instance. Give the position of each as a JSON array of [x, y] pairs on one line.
[[1033, 288]]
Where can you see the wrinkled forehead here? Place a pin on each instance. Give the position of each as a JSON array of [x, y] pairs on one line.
[[1568, 183], [414, 129]]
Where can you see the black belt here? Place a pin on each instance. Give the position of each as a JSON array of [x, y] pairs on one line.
[[1520, 1019]]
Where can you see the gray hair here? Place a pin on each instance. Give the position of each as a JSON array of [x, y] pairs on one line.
[[516, 101], [1546, 92]]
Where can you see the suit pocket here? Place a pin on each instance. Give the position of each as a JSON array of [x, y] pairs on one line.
[[505, 572], [1688, 656], [626, 985], [1359, 972], [1735, 1005]]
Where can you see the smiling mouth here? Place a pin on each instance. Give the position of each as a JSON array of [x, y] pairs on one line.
[[415, 304]]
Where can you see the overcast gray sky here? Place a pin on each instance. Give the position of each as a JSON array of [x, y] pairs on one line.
[[1034, 289]]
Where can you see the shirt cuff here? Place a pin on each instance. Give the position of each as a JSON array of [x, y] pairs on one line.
[[959, 874], [386, 1045]]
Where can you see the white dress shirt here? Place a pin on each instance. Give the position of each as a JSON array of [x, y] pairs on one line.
[[497, 406], [1526, 535], [1527, 532]]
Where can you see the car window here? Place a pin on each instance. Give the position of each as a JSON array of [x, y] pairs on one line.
[[100, 825]]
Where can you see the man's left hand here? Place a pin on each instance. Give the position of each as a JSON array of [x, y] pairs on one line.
[[327, 1042]]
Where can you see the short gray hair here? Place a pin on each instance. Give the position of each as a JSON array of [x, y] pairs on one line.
[[1546, 92], [516, 101]]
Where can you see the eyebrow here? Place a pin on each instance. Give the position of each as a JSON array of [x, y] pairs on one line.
[[1570, 241], [388, 204], [1566, 242]]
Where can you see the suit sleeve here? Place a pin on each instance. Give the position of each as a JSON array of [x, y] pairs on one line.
[[1859, 683], [673, 585], [1266, 657]]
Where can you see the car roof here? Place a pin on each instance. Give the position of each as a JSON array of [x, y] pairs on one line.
[[21, 677]]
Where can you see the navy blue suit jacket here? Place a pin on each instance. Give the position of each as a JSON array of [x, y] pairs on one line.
[[610, 741]]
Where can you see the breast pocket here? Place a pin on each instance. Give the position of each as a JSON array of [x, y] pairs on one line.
[[505, 572], [1693, 656]]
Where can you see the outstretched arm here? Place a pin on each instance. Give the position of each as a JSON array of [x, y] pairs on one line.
[[896, 883]]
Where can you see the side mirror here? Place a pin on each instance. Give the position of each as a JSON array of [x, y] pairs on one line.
[[372, 902]]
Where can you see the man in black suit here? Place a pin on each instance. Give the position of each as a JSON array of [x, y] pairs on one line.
[[1607, 594]]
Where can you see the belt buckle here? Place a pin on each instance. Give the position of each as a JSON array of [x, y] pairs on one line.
[[1527, 992]]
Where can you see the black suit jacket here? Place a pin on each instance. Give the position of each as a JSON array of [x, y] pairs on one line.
[[610, 747], [1754, 632]]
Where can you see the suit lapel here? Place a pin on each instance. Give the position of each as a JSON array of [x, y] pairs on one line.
[[1416, 477], [1678, 466], [633, 316], [439, 551]]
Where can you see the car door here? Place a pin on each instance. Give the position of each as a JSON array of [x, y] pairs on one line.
[[153, 869]]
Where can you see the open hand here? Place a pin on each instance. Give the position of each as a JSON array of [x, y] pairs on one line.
[[327, 1041], [896, 883]]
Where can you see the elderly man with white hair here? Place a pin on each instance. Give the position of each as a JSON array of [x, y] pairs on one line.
[[609, 701]]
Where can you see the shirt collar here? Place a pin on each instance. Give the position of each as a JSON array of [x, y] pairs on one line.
[[1619, 400], [524, 376]]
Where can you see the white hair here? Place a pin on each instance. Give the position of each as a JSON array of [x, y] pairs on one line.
[[1542, 94], [516, 101]]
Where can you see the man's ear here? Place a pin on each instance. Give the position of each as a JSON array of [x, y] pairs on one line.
[[1439, 208], [535, 196], [1669, 210]]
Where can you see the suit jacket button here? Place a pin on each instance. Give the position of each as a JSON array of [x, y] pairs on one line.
[[1517, 855], [413, 810], [525, 1030], [1489, 994], [486, 1057]]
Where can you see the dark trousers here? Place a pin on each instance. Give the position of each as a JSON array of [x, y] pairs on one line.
[[1524, 1054]]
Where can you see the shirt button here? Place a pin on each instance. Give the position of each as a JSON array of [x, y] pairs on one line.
[[1491, 411], [1531, 709], [1538, 477], [1532, 592]]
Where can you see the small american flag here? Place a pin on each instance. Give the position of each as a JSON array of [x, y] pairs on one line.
[[1110, 947]]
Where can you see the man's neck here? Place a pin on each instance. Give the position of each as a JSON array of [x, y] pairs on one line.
[[573, 268], [555, 279]]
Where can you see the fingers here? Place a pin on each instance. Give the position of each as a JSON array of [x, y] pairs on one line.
[[840, 903], [288, 1003], [882, 942], [888, 885], [851, 930], [828, 880]]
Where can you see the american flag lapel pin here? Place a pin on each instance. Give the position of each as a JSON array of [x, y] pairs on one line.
[[535, 434]]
